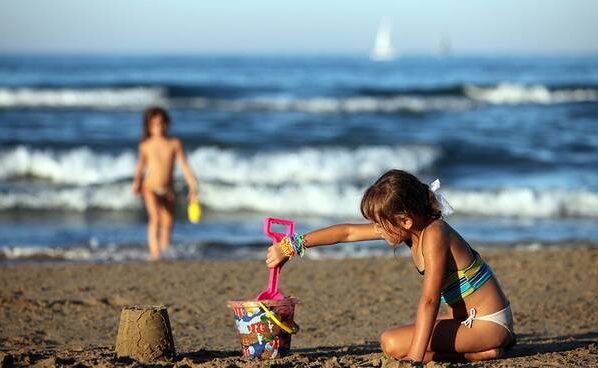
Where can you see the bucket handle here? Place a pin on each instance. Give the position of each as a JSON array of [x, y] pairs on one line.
[[291, 330]]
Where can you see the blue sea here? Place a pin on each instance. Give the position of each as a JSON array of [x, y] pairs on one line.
[[514, 141]]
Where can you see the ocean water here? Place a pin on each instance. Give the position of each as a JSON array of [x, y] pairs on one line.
[[513, 140]]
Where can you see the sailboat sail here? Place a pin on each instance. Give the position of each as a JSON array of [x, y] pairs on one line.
[[445, 47], [383, 50]]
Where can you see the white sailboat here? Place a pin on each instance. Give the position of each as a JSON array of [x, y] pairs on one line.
[[445, 49], [383, 50]]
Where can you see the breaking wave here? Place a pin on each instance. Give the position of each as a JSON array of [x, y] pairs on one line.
[[365, 100], [312, 198], [82, 166]]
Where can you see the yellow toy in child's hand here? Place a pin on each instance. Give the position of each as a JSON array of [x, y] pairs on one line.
[[194, 211]]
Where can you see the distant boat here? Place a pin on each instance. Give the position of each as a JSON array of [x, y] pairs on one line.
[[383, 50], [445, 49]]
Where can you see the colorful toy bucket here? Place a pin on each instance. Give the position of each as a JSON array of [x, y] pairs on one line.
[[265, 327]]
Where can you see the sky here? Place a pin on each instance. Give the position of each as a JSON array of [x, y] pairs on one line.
[[297, 27]]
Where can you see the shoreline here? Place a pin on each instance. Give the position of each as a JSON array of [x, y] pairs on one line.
[[67, 313], [81, 255]]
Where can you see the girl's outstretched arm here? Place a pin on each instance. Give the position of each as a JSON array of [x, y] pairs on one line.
[[189, 178], [341, 233], [435, 249], [139, 169]]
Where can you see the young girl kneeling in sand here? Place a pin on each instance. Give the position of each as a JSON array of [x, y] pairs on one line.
[[403, 209], [154, 178]]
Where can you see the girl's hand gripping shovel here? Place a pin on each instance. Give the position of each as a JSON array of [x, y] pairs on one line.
[[272, 291]]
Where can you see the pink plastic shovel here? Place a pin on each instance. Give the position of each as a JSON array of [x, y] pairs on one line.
[[272, 291]]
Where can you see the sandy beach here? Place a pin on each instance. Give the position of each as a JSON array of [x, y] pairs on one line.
[[67, 314]]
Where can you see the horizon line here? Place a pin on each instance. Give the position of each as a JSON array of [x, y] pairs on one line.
[[315, 53]]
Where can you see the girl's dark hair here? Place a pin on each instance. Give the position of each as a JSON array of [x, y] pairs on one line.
[[399, 192], [149, 114]]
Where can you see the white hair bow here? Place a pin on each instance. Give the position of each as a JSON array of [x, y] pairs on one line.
[[445, 208]]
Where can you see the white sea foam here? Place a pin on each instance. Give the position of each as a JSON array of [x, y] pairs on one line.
[[108, 197], [104, 253], [120, 253], [78, 166], [139, 97], [328, 165], [82, 166], [343, 200], [348, 105], [69, 98], [306, 199], [312, 198], [508, 93], [309, 181], [24, 252], [525, 202], [503, 93]]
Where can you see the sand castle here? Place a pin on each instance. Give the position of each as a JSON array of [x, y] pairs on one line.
[[144, 334]]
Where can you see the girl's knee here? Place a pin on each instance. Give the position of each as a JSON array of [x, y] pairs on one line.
[[166, 221], [166, 227], [153, 219], [392, 343]]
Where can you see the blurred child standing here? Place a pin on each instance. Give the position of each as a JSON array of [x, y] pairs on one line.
[[153, 178]]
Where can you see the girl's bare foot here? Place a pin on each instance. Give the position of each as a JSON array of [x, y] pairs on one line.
[[484, 355]]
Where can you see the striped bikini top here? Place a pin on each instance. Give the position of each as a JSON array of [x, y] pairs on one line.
[[457, 285]]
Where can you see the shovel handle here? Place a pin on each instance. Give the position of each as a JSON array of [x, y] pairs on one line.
[[273, 280], [277, 237]]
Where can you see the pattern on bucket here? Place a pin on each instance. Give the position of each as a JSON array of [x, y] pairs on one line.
[[260, 337]]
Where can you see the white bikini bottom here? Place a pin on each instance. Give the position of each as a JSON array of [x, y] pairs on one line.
[[503, 317]]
